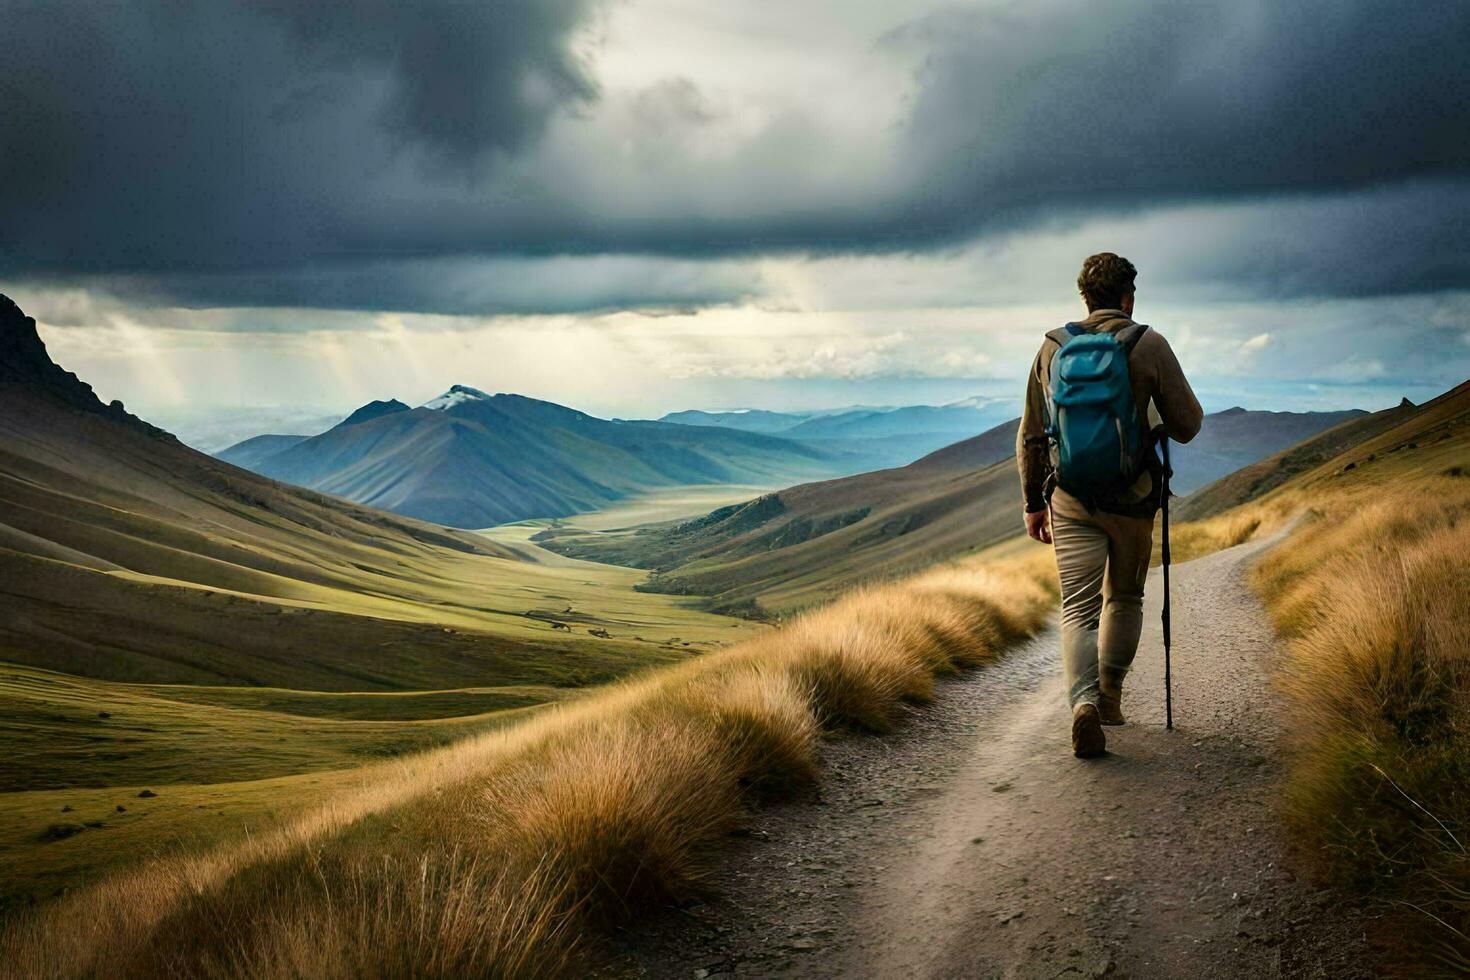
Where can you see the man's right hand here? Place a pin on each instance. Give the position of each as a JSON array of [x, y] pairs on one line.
[[1038, 525]]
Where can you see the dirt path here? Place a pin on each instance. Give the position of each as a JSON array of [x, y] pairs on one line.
[[972, 844]]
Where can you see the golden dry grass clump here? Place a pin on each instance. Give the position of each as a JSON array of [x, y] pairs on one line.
[[500, 855], [1197, 539], [1373, 595]]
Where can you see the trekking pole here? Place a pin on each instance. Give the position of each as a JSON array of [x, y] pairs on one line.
[[1164, 554]]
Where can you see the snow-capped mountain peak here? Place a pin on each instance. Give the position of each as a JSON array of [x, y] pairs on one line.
[[456, 395]]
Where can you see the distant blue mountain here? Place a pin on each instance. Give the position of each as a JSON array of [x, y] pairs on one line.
[[879, 437], [470, 459]]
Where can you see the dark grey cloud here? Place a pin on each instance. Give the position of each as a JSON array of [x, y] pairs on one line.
[[238, 135], [454, 286], [1067, 105], [460, 78], [299, 153], [1380, 242]]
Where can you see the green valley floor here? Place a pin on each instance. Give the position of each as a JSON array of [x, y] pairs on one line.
[[100, 774]]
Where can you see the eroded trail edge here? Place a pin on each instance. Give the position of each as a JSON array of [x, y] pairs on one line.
[[971, 843]]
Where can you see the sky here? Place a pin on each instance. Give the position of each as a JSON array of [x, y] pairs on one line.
[[638, 206]]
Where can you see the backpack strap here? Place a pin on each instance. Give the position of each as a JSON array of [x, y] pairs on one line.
[[1061, 335], [1129, 336]]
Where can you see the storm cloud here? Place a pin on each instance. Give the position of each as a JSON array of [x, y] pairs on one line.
[[1067, 105], [276, 153], [241, 135]]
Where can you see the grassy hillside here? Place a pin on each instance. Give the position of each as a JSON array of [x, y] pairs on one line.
[[127, 556], [61, 841], [1372, 594], [80, 743], [507, 854], [472, 460], [1261, 477], [806, 544], [215, 764], [61, 731], [257, 449]]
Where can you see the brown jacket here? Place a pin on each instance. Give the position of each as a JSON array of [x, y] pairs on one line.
[[1159, 386]]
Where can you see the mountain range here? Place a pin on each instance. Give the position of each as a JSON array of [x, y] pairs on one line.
[[469, 459], [874, 437]]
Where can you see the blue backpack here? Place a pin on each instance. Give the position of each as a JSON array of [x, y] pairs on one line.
[[1098, 447]]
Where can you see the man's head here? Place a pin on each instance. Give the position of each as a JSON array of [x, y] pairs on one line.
[[1106, 282]]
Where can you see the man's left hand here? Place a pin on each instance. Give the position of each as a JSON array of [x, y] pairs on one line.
[[1038, 525]]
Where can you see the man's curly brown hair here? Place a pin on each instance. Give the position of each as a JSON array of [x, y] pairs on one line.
[[1104, 280]]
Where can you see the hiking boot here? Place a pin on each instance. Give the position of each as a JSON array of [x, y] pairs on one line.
[[1110, 696], [1087, 735]]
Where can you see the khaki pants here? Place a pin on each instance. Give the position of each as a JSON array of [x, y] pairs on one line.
[[1102, 560]]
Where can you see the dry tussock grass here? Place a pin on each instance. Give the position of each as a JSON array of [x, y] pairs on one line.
[[1236, 526], [1374, 597], [1371, 590], [493, 857]]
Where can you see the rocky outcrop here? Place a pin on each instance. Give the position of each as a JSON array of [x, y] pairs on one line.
[[24, 361]]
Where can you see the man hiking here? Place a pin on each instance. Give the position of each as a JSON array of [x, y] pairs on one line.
[[1092, 480]]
